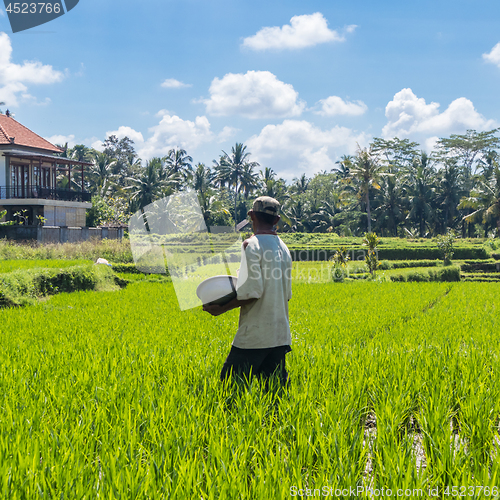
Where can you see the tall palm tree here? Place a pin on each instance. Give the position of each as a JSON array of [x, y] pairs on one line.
[[235, 170], [389, 210], [345, 164], [366, 172], [178, 161], [449, 191], [300, 184], [100, 174], [150, 184], [485, 199], [421, 194]]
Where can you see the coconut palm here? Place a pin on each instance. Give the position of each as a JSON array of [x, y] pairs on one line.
[[300, 184], [100, 174], [421, 192], [235, 170], [485, 199], [178, 161], [389, 211], [345, 165], [151, 184], [366, 173]]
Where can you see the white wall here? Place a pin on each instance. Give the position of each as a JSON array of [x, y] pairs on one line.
[[3, 179]]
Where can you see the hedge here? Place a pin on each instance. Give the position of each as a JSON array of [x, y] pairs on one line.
[[25, 286]]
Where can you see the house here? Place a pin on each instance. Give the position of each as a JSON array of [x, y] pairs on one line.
[[32, 177]]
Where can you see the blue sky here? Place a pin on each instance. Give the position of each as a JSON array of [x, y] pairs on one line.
[[300, 83]]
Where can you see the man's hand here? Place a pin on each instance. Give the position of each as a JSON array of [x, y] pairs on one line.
[[214, 309]]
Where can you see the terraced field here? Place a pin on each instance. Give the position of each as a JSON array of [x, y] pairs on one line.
[[116, 395]]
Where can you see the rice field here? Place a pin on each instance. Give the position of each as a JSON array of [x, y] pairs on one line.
[[116, 395]]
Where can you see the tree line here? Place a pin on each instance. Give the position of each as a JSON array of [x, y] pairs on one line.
[[391, 187]]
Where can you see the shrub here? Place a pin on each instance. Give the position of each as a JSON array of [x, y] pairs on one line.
[[24, 286]]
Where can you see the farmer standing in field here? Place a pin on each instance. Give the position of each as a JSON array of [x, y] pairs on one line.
[[263, 291]]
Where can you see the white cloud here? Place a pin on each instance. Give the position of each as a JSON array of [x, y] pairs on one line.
[[98, 145], [494, 56], [303, 31], [172, 83], [2, 13], [410, 116], [14, 77], [129, 132], [298, 146], [255, 94], [62, 140], [173, 131], [226, 133], [334, 105]]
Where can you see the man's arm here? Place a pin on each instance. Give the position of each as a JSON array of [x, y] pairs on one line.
[[216, 309]]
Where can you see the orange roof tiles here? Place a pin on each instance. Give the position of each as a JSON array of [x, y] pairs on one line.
[[22, 136]]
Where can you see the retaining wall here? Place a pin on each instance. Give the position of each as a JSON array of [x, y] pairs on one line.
[[59, 234]]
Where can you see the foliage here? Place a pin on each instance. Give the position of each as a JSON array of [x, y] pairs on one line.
[[23, 286], [371, 240], [445, 245], [107, 211]]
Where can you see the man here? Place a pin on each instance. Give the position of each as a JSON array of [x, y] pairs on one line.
[[263, 291]]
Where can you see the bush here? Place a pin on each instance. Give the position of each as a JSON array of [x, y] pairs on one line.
[[25, 286], [448, 273]]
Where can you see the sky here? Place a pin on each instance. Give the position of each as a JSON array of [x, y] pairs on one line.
[[299, 83]]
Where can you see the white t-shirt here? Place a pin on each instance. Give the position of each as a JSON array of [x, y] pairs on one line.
[[265, 274]]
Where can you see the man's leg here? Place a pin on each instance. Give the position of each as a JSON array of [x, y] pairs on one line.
[[274, 364], [242, 362]]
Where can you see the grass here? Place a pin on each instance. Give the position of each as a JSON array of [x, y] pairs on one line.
[[116, 395]]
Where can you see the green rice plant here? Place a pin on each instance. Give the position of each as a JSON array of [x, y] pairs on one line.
[[117, 395]]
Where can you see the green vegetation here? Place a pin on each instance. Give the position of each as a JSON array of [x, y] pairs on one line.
[[391, 187], [117, 395], [26, 285]]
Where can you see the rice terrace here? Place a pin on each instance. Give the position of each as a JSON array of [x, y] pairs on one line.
[[111, 391]]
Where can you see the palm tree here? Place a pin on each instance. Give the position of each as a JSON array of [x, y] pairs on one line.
[[178, 161], [366, 172], [235, 170], [100, 174], [389, 209], [344, 166], [448, 193], [485, 200], [421, 193], [148, 185], [300, 184]]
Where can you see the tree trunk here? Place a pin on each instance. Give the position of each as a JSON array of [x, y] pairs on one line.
[[368, 212]]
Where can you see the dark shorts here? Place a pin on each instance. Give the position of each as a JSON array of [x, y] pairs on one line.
[[262, 363]]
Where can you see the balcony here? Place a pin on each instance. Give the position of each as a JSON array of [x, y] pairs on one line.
[[43, 193]]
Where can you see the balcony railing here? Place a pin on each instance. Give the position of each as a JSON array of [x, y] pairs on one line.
[[43, 193]]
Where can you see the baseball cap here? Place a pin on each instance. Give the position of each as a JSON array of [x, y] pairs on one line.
[[266, 205]]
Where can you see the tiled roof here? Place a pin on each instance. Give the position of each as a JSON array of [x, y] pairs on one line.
[[22, 136]]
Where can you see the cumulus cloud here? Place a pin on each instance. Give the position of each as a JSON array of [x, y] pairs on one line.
[[14, 77], [129, 132], [255, 94], [172, 83], [226, 133], [297, 146], [334, 105], [173, 131], [410, 116], [62, 140], [493, 56], [303, 31]]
